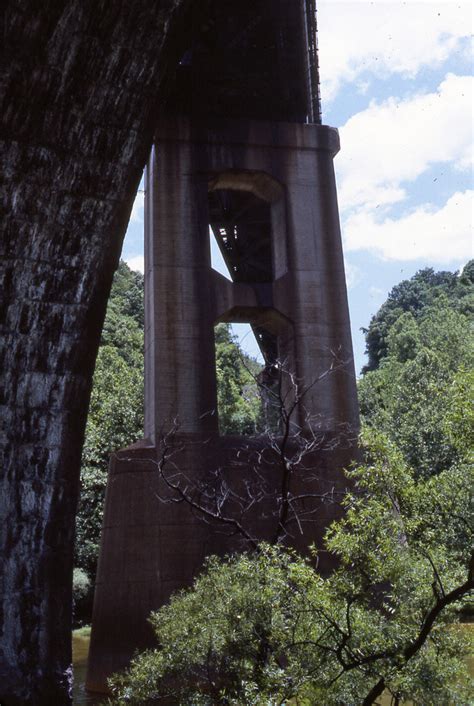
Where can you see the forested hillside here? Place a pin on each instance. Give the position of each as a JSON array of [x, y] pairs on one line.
[[403, 545], [413, 296], [116, 411], [115, 420], [421, 360]]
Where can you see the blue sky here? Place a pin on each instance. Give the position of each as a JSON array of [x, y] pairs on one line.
[[397, 80]]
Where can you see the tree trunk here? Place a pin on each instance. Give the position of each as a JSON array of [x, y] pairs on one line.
[[79, 85]]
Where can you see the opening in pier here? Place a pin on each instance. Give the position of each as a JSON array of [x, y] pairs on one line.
[[241, 224], [238, 371]]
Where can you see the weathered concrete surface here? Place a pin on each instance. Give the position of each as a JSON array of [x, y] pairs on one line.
[[150, 547], [185, 297], [78, 87]]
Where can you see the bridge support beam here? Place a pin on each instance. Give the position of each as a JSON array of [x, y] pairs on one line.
[[151, 547]]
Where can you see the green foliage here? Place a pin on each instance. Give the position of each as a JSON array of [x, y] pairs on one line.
[[81, 594], [409, 395], [123, 326], [265, 628], [80, 584], [116, 409], [127, 295], [413, 296], [239, 401], [115, 420], [458, 424]]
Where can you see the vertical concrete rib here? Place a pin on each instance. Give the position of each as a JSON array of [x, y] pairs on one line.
[[180, 378], [319, 311]]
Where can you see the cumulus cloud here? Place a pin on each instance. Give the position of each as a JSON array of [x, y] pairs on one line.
[[136, 263], [393, 142], [441, 236], [385, 37], [385, 149]]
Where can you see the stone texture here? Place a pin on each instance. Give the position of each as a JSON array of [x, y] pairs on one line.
[[78, 85]]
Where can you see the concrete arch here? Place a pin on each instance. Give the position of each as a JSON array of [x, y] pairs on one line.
[[257, 182]]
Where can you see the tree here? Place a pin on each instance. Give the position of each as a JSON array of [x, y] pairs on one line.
[[413, 296], [277, 477], [266, 627], [126, 297], [115, 421], [115, 418], [238, 398], [410, 392]]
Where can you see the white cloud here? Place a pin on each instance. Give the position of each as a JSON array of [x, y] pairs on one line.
[[441, 235], [392, 143], [136, 263], [388, 37], [353, 274], [385, 148], [136, 215]]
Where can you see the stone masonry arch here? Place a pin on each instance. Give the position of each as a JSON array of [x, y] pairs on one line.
[[79, 85]]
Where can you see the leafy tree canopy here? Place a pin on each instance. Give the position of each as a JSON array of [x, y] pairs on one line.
[[266, 627], [428, 358], [115, 417], [239, 402], [127, 293], [413, 296], [123, 326]]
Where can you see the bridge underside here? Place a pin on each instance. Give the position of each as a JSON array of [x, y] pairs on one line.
[[252, 59], [80, 89]]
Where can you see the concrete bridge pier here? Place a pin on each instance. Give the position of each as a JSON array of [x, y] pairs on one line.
[[268, 192]]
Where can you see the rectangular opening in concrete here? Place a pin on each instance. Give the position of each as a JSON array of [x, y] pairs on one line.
[[242, 226], [239, 402]]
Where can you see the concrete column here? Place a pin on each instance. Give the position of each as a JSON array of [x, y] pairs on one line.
[[318, 307], [179, 333]]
